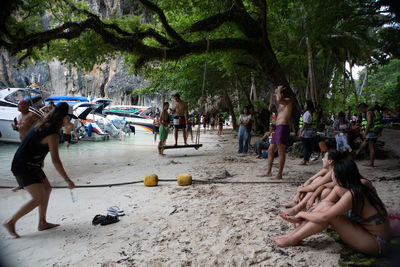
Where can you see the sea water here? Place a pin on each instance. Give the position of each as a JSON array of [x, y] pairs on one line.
[[83, 153]]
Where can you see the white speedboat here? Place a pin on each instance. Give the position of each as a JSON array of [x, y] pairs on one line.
[[138, 116], [9, 99]]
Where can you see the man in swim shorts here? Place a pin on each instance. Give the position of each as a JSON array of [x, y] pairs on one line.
[[164, 124], [180, 117], [282, 132]]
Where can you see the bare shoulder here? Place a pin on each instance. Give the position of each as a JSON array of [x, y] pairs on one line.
[[33, 116]]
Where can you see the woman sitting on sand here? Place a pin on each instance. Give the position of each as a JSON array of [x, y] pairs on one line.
[[27, 165], [354, 210], [318, 186]]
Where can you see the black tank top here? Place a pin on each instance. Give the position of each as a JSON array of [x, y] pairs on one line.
[[31, 152]]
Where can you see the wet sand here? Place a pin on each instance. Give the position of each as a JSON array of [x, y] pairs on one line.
[[216, 221]]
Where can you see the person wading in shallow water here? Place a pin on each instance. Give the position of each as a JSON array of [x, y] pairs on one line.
[[26, 166], [281, 136], [25, 120]]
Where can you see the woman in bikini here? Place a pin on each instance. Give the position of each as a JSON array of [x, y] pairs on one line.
[[354, 210]]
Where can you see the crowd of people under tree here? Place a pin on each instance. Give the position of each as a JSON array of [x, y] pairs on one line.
[[337, 195]]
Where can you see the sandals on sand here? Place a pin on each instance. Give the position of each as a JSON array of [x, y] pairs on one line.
[[104, 220], [111, 217], [115, 209]]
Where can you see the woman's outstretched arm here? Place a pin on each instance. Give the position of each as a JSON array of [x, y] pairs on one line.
[[52, 141]]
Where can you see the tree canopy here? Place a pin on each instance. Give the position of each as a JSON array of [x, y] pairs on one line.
[[301, 44]]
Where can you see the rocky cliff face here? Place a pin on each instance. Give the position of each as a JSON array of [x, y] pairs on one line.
[[111, 79]]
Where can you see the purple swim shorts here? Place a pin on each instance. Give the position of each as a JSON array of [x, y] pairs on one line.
[[281, 135]]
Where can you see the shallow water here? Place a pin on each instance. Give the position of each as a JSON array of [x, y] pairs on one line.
[[93, 154]]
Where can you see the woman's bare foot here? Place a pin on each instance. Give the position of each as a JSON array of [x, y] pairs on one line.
[[11, 228], [264, 175], [290, 211], [369, 164], [16, 189], [290, 218], [290, 204], [46, 225], [284, 241]]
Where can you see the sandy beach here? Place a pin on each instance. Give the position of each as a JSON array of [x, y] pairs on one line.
[[217, 221]]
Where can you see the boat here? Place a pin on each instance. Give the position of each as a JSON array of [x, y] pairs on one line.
[[9, 98], [87, 130], [100, 124], [137, 116]]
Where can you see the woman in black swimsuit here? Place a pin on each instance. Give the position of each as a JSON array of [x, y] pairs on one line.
[[354, 210], [27, 166]]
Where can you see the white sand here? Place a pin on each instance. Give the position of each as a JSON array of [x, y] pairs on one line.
[[205, 224]]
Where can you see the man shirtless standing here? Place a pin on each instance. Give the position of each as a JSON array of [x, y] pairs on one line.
[[282, 132], [180, 118], [25, 120]]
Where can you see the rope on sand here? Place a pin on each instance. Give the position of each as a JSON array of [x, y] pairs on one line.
[[172, 180]]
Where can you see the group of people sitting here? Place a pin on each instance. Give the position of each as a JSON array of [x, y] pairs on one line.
[[339, 196]]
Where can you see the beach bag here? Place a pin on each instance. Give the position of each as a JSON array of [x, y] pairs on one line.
[[394, 220]]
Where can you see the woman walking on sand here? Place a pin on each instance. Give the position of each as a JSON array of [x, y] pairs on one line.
[[27, 165], [354, 210]]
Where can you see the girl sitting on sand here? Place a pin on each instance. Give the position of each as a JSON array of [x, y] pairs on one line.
[[354, 210], [318, 186]]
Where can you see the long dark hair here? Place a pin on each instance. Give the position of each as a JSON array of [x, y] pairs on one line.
[[348, 176], [310, 105], [52, 122], [334, 155]]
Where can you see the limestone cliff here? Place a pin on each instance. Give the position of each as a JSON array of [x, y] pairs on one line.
[[110, 79]]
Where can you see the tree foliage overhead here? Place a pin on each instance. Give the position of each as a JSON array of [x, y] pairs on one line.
[[275, 41]]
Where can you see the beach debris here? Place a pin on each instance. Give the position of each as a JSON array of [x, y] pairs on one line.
[[174, 162], [223, 175], [150, 180], [174, 211], [218, 145], [184, 179]]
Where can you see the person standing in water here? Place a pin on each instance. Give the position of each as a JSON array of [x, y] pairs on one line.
[[69, 129], [281, 136], [26, 166], [25, 120], [156, 124]]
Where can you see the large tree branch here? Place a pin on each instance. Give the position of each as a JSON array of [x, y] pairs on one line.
[[245, 23], [210, 23], [170, 31]]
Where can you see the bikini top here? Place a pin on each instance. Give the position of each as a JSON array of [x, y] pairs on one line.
[[378, 218]]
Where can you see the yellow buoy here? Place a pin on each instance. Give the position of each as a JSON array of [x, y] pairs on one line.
[[150, 180], [184, 179]]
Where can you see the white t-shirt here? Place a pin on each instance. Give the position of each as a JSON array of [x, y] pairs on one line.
[[309, 131], [243, 118], [307, 117]]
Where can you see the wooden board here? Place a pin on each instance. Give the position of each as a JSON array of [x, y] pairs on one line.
[[196, 146]]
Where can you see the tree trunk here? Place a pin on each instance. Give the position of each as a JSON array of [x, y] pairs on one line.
[[231, 110], [311, 73], [353, 83]]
